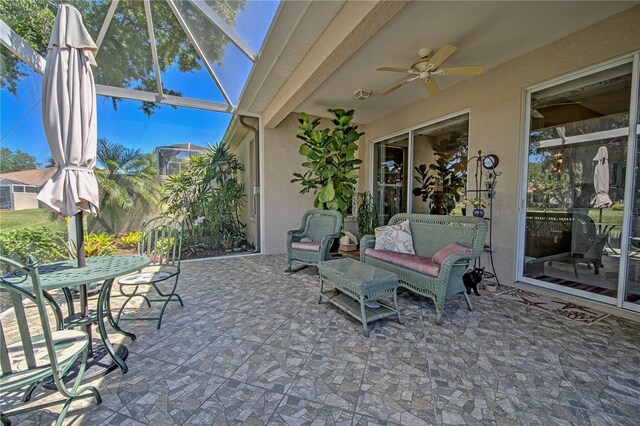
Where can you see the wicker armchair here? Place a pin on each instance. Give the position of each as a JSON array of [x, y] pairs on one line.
[[311, 243]]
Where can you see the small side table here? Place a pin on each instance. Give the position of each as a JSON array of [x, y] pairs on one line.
[[359, 283]]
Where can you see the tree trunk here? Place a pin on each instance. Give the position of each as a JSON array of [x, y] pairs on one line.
[[104, 224]]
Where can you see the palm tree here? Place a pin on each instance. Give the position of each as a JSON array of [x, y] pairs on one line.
[[126, 178]]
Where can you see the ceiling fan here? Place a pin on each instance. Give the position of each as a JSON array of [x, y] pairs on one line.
[[428, 67]]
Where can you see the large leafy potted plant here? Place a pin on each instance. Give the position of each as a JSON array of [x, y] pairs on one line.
[[332, 166]]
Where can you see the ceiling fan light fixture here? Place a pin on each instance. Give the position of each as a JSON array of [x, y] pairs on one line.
[[362, 94]]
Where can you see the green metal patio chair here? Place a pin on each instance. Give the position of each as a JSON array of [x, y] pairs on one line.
[[27, 359], [587, 245], [161, 241], [311, 243]]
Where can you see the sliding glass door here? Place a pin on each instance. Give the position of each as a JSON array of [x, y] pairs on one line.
[[390, 159], [576, 186], [412, 169]]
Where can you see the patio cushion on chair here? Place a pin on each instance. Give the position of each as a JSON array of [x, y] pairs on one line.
[[307, 246], [414, 262], [144, 278]]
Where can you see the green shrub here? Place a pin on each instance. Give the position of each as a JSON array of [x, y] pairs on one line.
[[99, 244], [130, 239], [618, 207], [367, 214], [43, 243]]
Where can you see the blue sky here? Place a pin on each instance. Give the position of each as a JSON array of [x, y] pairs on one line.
[[128, 125]]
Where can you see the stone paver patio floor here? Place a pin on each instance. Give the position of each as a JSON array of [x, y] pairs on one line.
[[252, 346]]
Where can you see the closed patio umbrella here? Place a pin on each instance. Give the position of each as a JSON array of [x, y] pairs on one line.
[[69, 118], [601, 179]]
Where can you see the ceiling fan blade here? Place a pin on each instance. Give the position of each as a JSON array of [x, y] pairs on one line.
[[536, 114], [432, 86], [442, 54], [393, 69], [468, 70], [399, 85]]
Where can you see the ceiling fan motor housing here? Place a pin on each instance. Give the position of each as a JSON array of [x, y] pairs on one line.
[[425, 52]]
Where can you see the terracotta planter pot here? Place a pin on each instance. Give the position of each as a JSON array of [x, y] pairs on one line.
[[490, 287]]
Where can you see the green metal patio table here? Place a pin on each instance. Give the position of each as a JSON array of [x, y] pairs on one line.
[[62, 275]]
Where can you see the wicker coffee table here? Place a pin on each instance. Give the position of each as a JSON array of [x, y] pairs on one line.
[[359, 283]]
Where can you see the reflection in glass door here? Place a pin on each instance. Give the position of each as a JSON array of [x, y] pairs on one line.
[[390, 158], [448, 140], [578, 142]]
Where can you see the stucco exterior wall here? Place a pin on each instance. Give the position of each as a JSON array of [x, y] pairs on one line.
[[282, 201], [496, 99], [283, 204], [244, 151], [24, 200]]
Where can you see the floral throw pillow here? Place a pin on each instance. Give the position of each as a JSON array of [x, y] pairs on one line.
[[395, 238]]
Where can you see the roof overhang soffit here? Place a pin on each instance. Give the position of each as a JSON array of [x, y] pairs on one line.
[[354, 24]]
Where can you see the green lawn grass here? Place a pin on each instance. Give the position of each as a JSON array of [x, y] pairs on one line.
[[30, 218]]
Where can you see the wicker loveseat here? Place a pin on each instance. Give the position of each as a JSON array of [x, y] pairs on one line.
[[431, 233]]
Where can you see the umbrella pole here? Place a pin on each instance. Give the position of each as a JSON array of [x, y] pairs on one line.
[[84, 296], [80, 238]]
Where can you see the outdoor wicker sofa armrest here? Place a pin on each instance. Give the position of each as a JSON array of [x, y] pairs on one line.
[[368, 241], [457, 259]]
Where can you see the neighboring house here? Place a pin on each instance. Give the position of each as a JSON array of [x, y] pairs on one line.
[[171, 157], [18, 190]]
